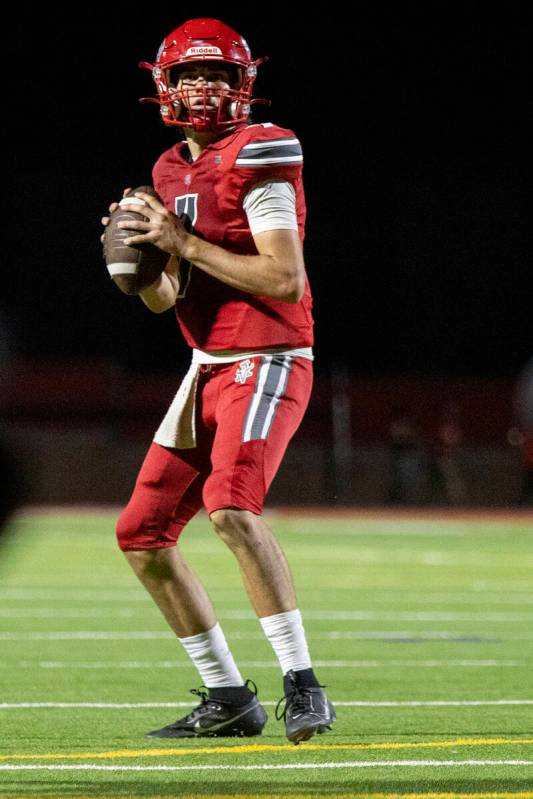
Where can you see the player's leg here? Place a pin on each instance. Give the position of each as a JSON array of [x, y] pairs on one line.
[[264, 569], [253, 432], [256, 418], [147, 532], [258, 411], [175, 588], [167, 494], [269, 585]]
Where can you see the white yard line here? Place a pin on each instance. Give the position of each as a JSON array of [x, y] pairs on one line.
[[354, 703], [387, 532], [367, 557], [248, 615], [418, 635], [71, 613], [89, 635], [377, 615], [136, 595], [13, 606], [276, 766], [263, 664], [332, 635], [460, 597], [70, 594]]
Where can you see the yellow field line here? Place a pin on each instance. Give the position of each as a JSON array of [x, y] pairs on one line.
[[432, 795], [254, 748]]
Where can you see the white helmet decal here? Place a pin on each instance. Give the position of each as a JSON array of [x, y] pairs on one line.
[[202, 51]]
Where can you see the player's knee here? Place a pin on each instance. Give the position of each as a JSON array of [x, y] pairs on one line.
[[127, 530], [140, 527], [234, 526], [155, 565], [133, 532]]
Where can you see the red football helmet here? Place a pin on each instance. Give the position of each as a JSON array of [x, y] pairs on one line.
[[215, 108]]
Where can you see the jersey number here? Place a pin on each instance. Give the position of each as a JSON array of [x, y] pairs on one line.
[[186, 207]]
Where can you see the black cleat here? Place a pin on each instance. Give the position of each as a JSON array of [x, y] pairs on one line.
[[217, 718], [307, 710]]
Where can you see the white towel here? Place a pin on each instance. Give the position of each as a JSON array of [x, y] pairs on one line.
[[178, 428]]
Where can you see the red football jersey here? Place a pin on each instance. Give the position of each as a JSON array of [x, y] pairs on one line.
[[209, 193]]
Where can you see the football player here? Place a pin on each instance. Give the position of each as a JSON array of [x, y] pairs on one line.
[[232, 221]]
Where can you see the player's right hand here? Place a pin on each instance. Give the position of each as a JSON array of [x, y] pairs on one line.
[[112, 207]]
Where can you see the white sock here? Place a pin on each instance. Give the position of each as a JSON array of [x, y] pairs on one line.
[[210, 654], [286, 633]]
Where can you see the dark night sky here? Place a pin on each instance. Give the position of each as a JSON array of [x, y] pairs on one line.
[[416, 139]]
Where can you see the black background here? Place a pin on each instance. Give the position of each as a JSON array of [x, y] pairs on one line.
[[416, 136]]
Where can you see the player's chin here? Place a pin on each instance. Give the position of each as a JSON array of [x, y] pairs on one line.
[[199, 114], [199, 109], [203, 122]]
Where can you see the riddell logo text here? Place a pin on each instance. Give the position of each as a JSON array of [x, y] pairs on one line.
[[192, 51]]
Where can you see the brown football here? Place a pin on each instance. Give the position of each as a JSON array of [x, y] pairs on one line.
[[132, 267]]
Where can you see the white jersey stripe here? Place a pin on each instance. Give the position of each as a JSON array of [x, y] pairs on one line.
[[290, 159], [269, 143]]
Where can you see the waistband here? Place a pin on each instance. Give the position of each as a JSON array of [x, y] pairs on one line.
[[201, 357]]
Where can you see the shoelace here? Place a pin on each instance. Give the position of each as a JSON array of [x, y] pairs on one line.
[[206, 700], [295, 699], [251, 682], [202, 707]]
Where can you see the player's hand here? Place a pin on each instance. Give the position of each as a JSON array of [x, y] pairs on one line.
[[112, 207], [164, 229]]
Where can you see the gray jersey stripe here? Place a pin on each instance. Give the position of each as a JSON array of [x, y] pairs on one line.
[[287, 150], [293, 148], [271, 142]]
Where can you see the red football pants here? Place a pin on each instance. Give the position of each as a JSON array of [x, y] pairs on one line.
[[246, 413]]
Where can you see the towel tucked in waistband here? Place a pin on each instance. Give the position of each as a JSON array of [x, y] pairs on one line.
[[178, 428]]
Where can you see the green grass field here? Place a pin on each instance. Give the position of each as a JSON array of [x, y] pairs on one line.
[[420, 626]]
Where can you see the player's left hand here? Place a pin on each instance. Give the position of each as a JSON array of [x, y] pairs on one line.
[[164, 229]]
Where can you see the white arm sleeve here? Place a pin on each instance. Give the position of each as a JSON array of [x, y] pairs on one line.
[[271, 205]]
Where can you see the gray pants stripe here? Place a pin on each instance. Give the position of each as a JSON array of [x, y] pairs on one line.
[[269, 389]]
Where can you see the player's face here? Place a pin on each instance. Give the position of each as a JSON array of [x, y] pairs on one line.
[[202, 86]]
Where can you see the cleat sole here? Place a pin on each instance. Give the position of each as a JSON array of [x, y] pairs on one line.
[[306, 733]]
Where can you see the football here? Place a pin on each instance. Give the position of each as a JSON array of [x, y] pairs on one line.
[[132, 267]]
